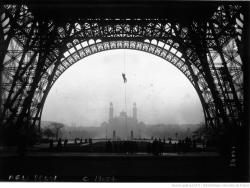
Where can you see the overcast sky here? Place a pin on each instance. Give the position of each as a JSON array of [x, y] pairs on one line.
[[81, 96]]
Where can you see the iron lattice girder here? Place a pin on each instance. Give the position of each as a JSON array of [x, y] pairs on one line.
[[122, 9], [92, 28], [83, 52], [145, 29], [21, 67], [65, 36]]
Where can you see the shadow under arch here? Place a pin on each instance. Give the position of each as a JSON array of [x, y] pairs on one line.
[[78, 52]]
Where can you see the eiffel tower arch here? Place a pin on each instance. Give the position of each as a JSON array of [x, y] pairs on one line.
[[41, 41]]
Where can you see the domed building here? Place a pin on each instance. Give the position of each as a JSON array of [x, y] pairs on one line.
[[123, 126]]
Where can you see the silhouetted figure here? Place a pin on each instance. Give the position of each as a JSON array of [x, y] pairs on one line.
[[189, 143], [59, 144], [81, 141], [120, 146], [179, 146], [155, 147], [75, 141], [170, 141], [108, 147], [175, 147], [125, 147], [115, 147], [51, 144], [65, 142], [90, 141], [124, 77], [182, 145], [161, 147], [194, 144], [149, 148], [136, 147]]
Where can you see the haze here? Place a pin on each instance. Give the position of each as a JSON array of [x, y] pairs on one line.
[[163, 94]]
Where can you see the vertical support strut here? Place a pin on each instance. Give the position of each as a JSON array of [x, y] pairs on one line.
[[48, 87], [227, 74], [3, 51], [5, 38], [201, 49]]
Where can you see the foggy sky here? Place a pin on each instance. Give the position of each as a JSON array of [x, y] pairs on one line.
[[81, 96]]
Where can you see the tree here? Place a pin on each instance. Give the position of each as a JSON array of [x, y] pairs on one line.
[[48, 133], [57, 127]]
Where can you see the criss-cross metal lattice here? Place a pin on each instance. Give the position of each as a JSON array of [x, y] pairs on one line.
[[35, 53]]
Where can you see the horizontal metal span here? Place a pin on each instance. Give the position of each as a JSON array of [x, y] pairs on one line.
[[61, 10]]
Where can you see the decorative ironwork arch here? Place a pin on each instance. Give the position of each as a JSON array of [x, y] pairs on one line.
[[171, 55], [35, 55], [77, 53]]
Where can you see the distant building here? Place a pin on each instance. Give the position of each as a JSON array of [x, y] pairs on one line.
[[123, 125]]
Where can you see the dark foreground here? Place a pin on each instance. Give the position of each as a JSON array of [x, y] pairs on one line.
[[199, 167]]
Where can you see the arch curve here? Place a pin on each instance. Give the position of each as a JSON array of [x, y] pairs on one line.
[[200, 42], [160, 49], [87, 37], [76, 53]]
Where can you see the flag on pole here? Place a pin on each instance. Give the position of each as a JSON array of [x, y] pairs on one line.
[[124, 77]]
